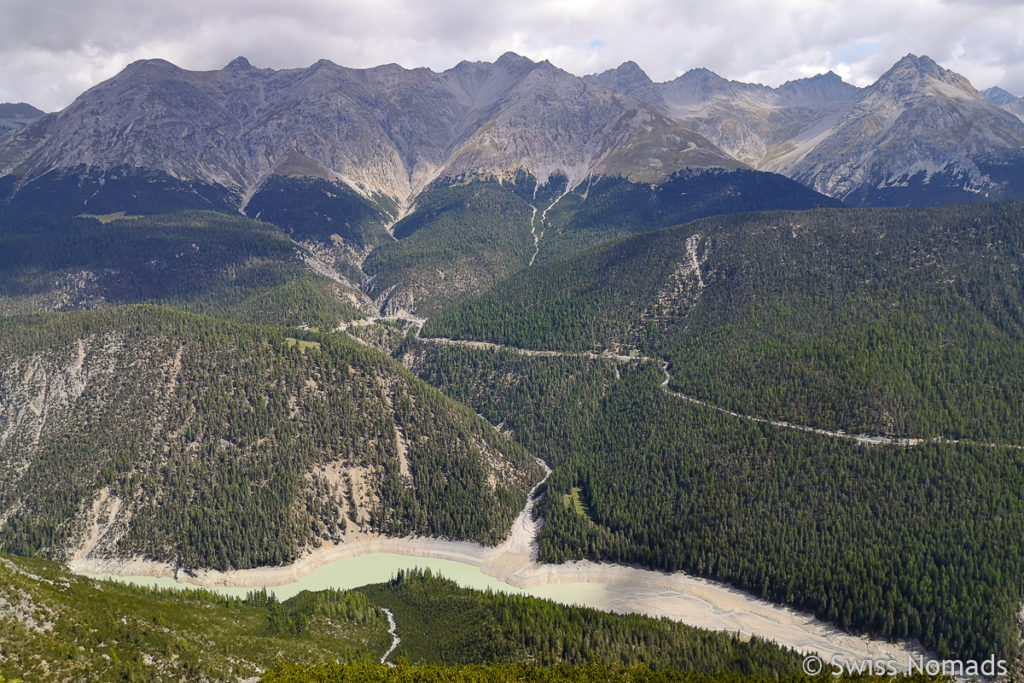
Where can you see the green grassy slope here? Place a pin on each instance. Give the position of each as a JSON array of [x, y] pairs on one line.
[[57, 626]]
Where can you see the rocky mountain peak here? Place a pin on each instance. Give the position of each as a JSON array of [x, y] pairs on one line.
[[628, 72], [920, 121], [915, 76], [999, 97], [15, 116], [386, 130], [511, 60], [826, 87], [628, 78], [704, 76], [694, 87], [238, 64], [19, 111], [150, 67], [391, 130]]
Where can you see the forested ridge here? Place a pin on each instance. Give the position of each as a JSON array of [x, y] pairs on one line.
[[224, 445], [462, 238], [232, 441], [887, 321], [313, 208], [443, 623], [920, 543], [466, 234], [607, 207]]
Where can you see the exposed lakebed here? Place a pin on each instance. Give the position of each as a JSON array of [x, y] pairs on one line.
[[512, 567]]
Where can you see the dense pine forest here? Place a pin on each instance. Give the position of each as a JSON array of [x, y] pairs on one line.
[[205, 262], [919, 543], [884, 321], [251, 410], [461, 239], [609, 207]]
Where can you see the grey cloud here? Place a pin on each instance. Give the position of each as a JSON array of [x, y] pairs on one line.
[[50, 52]]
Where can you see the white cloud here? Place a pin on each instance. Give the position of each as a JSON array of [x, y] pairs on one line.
[[50, 52]]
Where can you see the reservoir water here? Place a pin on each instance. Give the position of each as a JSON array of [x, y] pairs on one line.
[[344, 574]]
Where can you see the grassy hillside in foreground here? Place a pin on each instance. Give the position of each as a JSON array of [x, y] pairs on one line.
[[205, 443], [57, 626], [888, 321], [917, 543]]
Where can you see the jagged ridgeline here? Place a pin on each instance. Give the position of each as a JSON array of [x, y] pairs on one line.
[[117, 632], [146, 431], [203, 261], [897, 322]]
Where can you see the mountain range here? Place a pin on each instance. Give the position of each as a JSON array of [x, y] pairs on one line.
[[920, 135]]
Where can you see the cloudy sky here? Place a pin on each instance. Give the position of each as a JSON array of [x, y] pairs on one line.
[[51, 51]]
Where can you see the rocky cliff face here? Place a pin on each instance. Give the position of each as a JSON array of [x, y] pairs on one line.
[[763, 127]]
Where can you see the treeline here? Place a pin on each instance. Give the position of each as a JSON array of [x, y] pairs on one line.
[[912, 543], [612, 205], [310, 208], [231, 447]]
